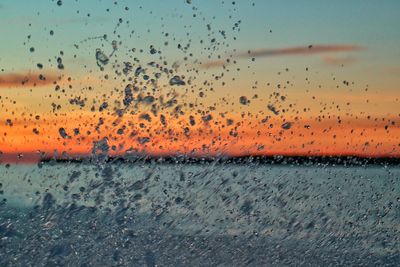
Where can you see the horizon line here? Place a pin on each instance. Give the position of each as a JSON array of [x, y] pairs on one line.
[[223, 159]]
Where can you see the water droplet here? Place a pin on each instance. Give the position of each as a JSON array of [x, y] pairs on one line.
[[286, 125], [273, 109], [63, 133], [243, 100], [176, 80], [101, 58]]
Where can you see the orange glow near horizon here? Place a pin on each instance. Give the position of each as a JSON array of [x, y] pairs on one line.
[[134, 135], [321, 122]]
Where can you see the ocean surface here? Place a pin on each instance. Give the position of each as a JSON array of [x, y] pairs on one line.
[[203, 214]]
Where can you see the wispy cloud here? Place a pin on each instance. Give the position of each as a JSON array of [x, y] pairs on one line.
[[27, 79], [395, 70], [301, 50], [289, 51], [332, 60]]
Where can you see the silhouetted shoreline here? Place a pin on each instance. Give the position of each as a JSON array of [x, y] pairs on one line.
[[271, 160]]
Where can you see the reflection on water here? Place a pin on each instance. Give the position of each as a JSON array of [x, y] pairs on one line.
[[206, 213]]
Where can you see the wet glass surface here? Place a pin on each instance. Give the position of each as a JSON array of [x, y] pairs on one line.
[[199, 133]]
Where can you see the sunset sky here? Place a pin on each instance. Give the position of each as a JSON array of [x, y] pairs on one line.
[[257, 78]]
